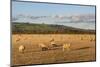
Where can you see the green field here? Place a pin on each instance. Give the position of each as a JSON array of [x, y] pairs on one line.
[[29, 28]]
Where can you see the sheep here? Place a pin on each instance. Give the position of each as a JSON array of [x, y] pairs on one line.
[[52, 42], [66, 46], [43, 46], [92, 39], [21, 48], [18, 40]]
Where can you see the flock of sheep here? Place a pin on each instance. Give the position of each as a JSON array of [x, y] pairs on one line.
[[88, 38], [44, 47]]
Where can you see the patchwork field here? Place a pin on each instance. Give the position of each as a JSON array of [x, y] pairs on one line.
[[82, 48]]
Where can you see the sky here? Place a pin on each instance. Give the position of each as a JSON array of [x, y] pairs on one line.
[[69, 15]]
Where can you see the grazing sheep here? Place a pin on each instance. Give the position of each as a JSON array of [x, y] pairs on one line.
[[66, 46], [52, 42], [92, 39], [18, 40], [21, 48], [44, 47]]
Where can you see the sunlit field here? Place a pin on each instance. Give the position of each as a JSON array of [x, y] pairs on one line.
[[82, 48]]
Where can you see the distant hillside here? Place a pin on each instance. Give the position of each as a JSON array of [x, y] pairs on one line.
[[30, 28]]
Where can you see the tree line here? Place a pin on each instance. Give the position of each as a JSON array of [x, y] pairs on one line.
[[29, 28]]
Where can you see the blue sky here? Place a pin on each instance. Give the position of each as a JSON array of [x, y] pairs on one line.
[[53, 13], [48, 9]]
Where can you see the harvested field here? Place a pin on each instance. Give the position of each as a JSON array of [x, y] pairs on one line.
[[82, 48]]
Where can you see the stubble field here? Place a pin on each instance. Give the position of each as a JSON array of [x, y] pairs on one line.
[[82, 48]]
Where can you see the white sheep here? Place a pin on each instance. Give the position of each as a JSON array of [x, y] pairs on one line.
[[92, 39], [52, 42], [43, 46], [18, 39], [66, 46], [21, 48]]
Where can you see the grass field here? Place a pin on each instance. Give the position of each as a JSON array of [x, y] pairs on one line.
[[82, 48]]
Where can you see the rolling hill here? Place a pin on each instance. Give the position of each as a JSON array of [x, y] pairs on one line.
[[31, 28]]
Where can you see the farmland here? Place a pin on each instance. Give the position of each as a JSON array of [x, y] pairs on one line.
[[82, 48]]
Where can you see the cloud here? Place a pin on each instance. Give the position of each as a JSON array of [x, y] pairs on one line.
[[83, 18], [59, 18]]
